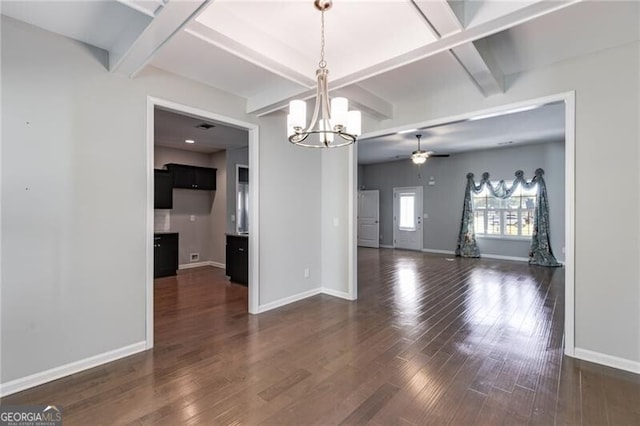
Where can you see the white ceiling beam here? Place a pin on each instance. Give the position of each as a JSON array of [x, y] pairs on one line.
[[488, 79], [439, 16], [479, 65], [359, 99], [131, 57], [365, 101], [148, 7]]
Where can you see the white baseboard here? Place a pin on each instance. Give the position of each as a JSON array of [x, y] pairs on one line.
[[386, 246], [200, 264], [608, 360], [482, 255], [218, 265], [36, 379], [286, 300], [500, 257], [337, 293], [439, 251]]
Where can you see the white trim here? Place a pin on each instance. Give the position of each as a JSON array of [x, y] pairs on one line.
[[254, 221], [384, 246], [336, 293], [569, 221], [504, 237], [290, 299], [150, 224], [1, 363], [217, 265], [36, 379], [352, 224], [200, 264], [501, 257], [438, 251], [608, 360], [569, 99], [254, 203]]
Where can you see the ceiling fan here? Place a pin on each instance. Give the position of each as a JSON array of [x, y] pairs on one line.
[[419, 156]]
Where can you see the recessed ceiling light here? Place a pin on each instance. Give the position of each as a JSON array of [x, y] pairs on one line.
[[189, 141]]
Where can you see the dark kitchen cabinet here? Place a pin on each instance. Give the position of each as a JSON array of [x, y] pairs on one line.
[[165, 254], [237, 261], [163, 189], [192, 177]]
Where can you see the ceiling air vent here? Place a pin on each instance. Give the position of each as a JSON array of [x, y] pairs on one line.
[[205, 126]]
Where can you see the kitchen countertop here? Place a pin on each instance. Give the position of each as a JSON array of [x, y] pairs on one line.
[[237, 235]]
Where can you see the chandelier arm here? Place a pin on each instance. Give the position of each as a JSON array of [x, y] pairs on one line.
[[326, 113], [316, 107]]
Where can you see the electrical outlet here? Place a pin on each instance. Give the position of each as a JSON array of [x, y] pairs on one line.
[[192, 218], [194, 257], [307, 274]]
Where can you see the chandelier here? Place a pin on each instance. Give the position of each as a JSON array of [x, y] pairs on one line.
[[336, 126]]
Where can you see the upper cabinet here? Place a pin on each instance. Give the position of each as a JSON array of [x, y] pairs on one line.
[[163, 185], [192, 177]]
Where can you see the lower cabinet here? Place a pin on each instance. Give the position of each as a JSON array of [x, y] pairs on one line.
[[165, 254], [237, 259]]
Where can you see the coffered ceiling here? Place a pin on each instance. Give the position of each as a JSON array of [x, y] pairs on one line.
[[380, 52]]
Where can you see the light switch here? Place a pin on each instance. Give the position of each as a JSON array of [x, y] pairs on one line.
[[425, 215], [192, 218], [233, 218], [336, 222]]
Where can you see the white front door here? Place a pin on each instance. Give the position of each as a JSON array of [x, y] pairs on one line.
[[407, 218], [369, 218]]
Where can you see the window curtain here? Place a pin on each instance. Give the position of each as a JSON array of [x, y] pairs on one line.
[[467, 245], [540, 251]]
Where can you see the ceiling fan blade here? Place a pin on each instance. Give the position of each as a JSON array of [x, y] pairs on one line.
[[438, 155]]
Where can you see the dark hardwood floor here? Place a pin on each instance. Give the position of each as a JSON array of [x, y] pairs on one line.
[[431, 341]]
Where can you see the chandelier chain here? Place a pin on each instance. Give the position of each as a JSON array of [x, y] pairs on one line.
[[322, 63]]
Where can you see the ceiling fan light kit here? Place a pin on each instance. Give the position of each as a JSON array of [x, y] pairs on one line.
[[336, 125], [419, 156]]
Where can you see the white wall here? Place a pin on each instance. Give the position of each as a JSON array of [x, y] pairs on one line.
[[335, 240], [290, 207], [217, 219], [74, 183], [606, 83]]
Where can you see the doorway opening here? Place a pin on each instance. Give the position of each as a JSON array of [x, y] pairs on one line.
[[201, 213], [563, 103]]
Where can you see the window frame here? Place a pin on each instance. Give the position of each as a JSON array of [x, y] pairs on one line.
[[502, 211]]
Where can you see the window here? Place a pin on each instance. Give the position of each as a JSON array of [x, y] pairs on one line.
[[407, 212], [510, 217]]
